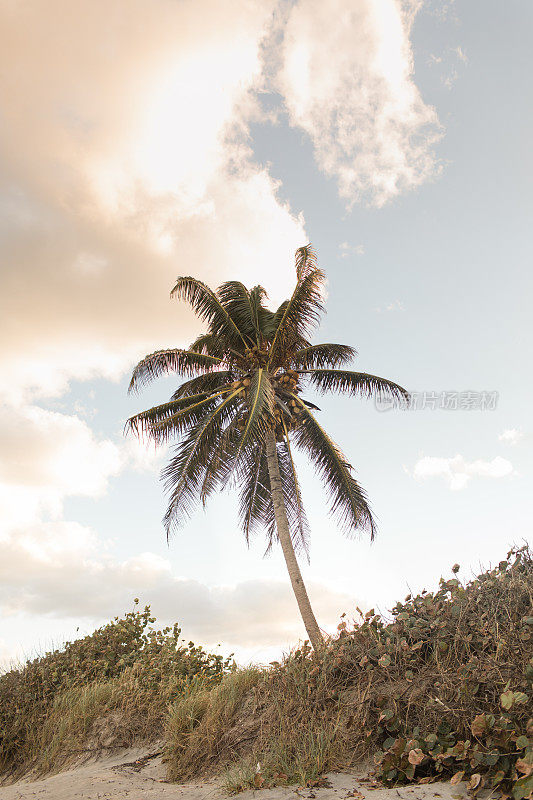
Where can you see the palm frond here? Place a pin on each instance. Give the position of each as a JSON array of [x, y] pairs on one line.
[[296, 318], [163, 362], [352, 383], [220, 463], [322, 355], [184, 474], [254, 496], [348, 499], [236, 299], [163, 421], [304, 261], [260, 408], [208, 307], [256, 509], [209, 344], [209, 382], [263, 316]]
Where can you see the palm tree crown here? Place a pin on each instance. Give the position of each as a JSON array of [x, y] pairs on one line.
[[242, 393]]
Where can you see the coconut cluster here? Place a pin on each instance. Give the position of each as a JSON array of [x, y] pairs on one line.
[[256, 355], [287, 382], [283, 384]]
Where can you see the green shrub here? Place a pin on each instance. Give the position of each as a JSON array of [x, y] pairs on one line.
[[127, 666], [443, 687]]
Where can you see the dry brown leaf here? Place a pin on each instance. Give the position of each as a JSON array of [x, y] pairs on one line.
[[416, 756], [479, 725], [474, 781], [524, 766], [457, 778]]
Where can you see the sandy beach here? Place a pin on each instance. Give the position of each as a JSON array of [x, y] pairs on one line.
[[139, 774]]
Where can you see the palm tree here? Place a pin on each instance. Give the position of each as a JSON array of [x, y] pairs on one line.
[[241, 410]]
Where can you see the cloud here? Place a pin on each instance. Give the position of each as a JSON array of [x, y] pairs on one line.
[[126, 161], [346, 249], [511, 436], [53, 451], [347, 80], [46, 456], [442, 9], [394, 305], [65, 323], [458, 472], [461, 55], [62, 569], [449, 65], [128, 165]]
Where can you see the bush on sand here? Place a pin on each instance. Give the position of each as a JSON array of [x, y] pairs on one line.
[[111, 688], [441, 690]]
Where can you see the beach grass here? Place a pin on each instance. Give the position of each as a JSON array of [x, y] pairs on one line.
[[442, 689]]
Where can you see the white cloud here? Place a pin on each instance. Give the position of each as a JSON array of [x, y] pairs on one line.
[[53, 451], [346, 249], [62, 569], [62, 322], [449, 65], [442, 9], [458, 472], [129, 161], [394, 305], [57, 567], [46, 456], [118, 181], [143, 455], [347, 79], [511, 436]]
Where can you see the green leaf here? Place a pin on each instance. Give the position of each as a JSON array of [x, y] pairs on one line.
[[259, 401], [348, 499], [523, 787], [322, 355], [355, 383], [209, 308], [297, 317], [163, 362]]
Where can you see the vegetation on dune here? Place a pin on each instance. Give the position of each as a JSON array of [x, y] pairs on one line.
[[441, 690], [241, 412], [110, 688]]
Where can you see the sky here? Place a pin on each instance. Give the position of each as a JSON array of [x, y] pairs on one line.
[[142, 141]]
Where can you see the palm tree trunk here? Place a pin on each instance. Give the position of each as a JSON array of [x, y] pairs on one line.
[[282, 525]]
